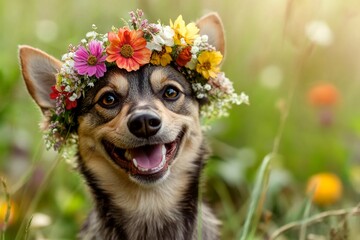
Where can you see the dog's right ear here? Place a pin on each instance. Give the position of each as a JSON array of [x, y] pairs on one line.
[[39, 72], [211, 25]]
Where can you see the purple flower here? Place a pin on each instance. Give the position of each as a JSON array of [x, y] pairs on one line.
[[92, 61]]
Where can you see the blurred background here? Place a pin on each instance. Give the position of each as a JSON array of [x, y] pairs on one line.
[[299, 61]]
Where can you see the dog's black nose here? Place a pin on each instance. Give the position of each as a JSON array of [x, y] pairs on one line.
[[144, 125]]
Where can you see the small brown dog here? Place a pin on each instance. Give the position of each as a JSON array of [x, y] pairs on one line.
[[140, 146]]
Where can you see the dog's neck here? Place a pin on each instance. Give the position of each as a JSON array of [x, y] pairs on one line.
[[166, 210]]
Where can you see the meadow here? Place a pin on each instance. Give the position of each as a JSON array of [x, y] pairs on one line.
[[285, 167]]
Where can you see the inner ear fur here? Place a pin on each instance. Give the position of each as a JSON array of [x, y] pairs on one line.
[[39, 72], [211, 25]]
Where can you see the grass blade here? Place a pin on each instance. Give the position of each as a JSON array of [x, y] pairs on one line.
[[302, 234], [8, 208], [257, 195], [27, 229]]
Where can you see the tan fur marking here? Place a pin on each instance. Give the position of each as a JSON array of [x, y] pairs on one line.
[[159, 79], [119, 83]]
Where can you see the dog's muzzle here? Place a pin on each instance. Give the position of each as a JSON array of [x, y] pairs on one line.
[[150, 162]]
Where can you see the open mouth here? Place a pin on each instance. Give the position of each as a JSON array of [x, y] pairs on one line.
[[149, 161]]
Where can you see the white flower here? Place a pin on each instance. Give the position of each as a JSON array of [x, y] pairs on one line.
[[156, 43], [105, 38], [194, 50], [67, 56], [182, 41], [200, 95], [68, 67], [207, 87], [40, 220], [222, 83], [204, 38], [167, 34], [83, 41], [196, 86], [69, 70], [64, 57], [70, 63], [197, 41], [73, 97], [67, 88], [244, 98], [91, 34], [165, 37], [319, 32]]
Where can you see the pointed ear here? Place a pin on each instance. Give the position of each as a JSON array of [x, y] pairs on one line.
[[211, 25], [39, 72]]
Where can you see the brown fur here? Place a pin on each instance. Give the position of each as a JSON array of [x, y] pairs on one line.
[[129, 205]]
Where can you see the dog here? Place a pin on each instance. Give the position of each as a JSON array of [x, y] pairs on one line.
[[141, 149]]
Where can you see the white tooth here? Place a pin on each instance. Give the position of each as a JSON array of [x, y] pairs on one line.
[[163, 161], [143, 169], [135, 162], [163, 149]]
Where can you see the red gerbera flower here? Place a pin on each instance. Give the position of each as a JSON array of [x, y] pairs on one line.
[[128, 49], [55, 93], [68, 103], [184, 57]]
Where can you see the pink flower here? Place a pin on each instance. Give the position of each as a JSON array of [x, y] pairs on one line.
[[92, 61]]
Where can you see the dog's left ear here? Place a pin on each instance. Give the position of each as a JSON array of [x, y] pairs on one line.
[[39, 72], [211, 25]]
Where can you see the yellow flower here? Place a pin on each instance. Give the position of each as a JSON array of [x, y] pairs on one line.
[[208, 64], [162, 58], [4, 207], [325, 188], [188, 32]]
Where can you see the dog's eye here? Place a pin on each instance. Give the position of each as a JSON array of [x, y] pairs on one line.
[[108, 100], [171, 93]]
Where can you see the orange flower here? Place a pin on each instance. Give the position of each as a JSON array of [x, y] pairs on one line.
[[323, 95], [128, 49], [325, 188], [184, 57]]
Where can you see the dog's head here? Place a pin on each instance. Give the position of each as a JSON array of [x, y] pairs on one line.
[[139, 124], [140, 121]]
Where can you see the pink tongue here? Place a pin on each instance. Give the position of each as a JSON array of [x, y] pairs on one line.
[[148, 157]]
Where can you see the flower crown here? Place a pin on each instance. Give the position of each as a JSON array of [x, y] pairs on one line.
[[130, 47]]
